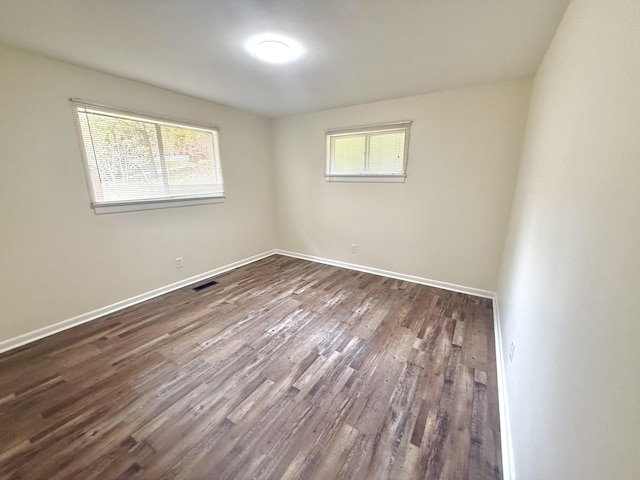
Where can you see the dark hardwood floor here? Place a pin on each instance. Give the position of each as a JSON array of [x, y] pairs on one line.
[[286, 369]]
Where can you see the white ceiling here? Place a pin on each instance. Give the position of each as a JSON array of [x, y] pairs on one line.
[[356, 51]]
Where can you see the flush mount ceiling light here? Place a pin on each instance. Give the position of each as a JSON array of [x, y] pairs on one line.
[[274, 49]]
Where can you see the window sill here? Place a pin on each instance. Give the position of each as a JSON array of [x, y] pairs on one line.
[[366, 178], [117, 207]]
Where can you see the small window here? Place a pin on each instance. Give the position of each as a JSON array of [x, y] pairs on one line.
[[376, 153], [135, 162]]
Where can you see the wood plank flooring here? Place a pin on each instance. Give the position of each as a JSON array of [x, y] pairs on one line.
[[286, 369]]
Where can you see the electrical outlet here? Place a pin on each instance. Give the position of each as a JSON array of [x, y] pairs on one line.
[[178, 262], [354, 248], [512, 350]]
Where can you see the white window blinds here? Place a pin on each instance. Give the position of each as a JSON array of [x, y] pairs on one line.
[[132, 158], [373, 152]]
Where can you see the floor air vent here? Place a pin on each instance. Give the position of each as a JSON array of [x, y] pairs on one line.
[[205, 285]]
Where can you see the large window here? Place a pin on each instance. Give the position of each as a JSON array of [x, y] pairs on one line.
[[135, 162], [369, 154]]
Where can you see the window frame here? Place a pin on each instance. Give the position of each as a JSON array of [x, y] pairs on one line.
[[368, 130], [101, 207]]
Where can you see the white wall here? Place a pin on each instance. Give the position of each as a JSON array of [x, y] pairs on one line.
[[447, 222], [570, 284], [57, 258]]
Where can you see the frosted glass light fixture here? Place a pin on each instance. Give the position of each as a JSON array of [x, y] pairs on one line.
[[274, 49], [273, 52]]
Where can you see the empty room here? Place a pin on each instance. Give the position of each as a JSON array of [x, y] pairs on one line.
[[277, 239]]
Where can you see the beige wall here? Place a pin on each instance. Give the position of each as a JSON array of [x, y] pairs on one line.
[[447, 222], [57, 258], [570, 285]]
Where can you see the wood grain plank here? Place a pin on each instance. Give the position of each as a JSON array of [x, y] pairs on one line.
[[285, 369]]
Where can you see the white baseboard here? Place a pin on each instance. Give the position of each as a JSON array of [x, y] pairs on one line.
[[386, 273], [508, 465], [29, 337]]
